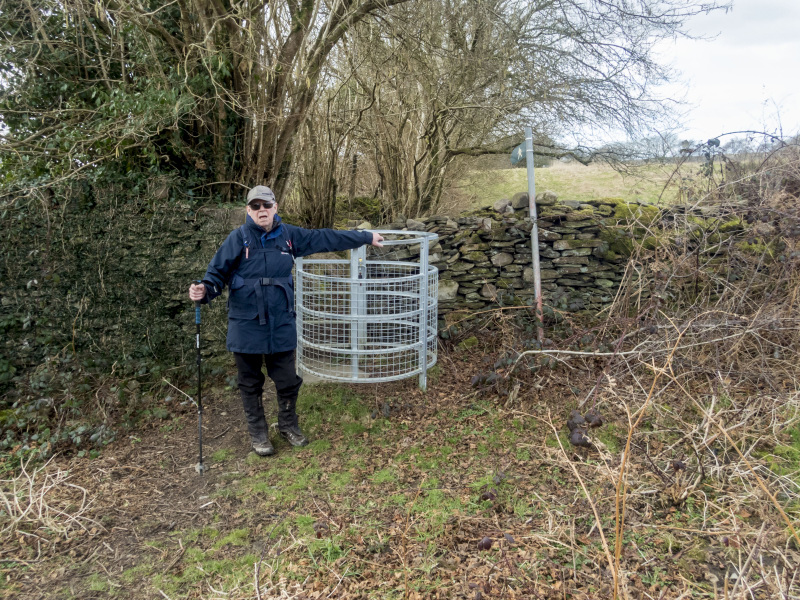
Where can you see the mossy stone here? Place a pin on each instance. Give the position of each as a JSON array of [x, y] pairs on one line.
[[581, 215], [554, 212], [732, 226], [504, 283], [476, 257], [465, 236], [644, 214], [474, 247], [759, 248], [468, 343], [605, 210], [610, 201], [650, 242], [618, 241]]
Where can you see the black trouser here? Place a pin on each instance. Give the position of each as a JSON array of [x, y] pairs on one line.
[[280, 368]]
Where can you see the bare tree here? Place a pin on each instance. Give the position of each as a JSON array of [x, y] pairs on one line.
[[219, 87], [463, 76], [325, 141]]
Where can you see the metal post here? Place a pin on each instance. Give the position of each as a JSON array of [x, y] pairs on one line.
[[354, 320], [362, 298], [423, 314], [537, 274]]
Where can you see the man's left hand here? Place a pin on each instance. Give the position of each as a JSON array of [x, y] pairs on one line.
[[377, 238]]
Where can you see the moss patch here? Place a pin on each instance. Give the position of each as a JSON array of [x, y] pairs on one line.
[[644, 214], [619, 241]]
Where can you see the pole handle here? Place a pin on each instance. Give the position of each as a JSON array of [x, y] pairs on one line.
[[197, 305]]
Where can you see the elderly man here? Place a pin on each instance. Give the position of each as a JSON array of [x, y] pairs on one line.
[[255, 262]]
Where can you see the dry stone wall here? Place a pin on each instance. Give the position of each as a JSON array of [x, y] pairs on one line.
[[486, 257], [106, 283]]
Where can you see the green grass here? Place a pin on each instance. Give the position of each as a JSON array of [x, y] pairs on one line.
[[611, 435], [570, 181], [237, 537], [202, 566], [282, 483], [222, 455], [436, 507], [254, 459], [784, 459], [322, 405], [325, 550], [384, 476], [142, 570], [319, 446], [98, 583]]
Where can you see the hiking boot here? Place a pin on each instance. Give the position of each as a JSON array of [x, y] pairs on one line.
[[263, 448], [294, 436]]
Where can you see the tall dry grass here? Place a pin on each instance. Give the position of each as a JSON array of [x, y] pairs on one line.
[[698, 359]]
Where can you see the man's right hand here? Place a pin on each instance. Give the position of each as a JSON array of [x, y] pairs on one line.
[[197, 291]]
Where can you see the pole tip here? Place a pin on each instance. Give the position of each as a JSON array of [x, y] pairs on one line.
[[200, 468]]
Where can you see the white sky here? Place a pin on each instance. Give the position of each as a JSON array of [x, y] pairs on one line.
[[748, 76]]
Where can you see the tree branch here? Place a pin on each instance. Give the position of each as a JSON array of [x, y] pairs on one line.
[[482, 150]]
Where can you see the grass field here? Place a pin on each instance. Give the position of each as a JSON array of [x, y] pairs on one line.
[[571, 181]]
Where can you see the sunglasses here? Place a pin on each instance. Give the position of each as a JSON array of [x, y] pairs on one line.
[[257, 205]]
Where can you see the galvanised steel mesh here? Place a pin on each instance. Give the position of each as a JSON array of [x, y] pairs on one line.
[[371, 317]]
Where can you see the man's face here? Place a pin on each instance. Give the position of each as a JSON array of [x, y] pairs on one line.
[[262, 212]]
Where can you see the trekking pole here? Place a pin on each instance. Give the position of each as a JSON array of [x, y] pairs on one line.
[[200, 468]]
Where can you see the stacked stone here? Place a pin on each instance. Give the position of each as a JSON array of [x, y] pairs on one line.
[[486, 259]]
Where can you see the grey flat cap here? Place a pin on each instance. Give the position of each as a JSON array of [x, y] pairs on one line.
[[260, 192]]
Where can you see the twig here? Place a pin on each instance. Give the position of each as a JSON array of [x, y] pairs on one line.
[[175, 560], [744, 569], [220, 434], [629, 352], [263, 551], [621, 482], [598, 522], [179, 390], [760, 481], [405, 537]]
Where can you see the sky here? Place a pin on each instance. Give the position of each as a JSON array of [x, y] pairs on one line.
[[747, 76]]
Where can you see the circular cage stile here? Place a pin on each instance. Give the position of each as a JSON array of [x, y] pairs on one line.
[[372, 317]]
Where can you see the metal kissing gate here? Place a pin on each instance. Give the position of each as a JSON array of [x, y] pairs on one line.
[[373, 317]]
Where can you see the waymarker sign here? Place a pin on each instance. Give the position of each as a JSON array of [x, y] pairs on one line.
[[518, 154]]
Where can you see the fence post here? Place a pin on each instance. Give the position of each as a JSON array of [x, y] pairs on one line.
[[537, 274], [423, 316]]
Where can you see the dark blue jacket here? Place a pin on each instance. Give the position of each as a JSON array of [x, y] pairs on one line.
[[257, 268]]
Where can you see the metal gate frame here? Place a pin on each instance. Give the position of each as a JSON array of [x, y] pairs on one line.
[[338, 314]]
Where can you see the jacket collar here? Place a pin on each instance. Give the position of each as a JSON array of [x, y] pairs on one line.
[[262, 233]]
